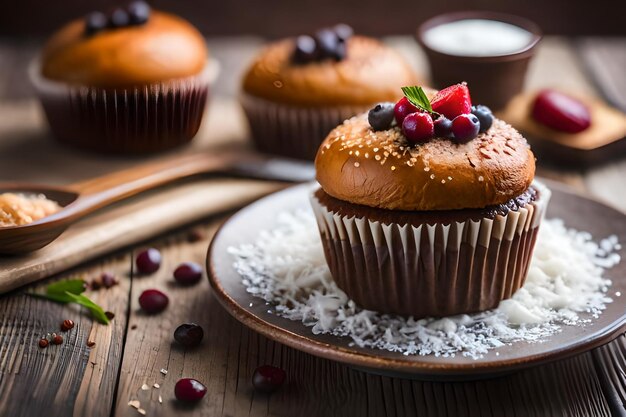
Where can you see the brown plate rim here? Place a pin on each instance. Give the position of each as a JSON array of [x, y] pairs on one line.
[[376, 363]]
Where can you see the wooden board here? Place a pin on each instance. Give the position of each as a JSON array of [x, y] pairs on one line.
[[604, 140], [66, 382], [130, 222]]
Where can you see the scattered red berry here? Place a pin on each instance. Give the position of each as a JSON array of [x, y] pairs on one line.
[[195, 235], [43, 343], [189, 334], [109, 315], [153, 301], [561, 112], [57, 339], [188, 273], [108, 280], [148, 261], [418, 127], [189, 390], [67, 325], [91, 343], [402, 109], [465, 127], [453, 101], [268, 378]]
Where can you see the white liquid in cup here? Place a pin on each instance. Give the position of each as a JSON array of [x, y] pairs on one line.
[[477, 37]]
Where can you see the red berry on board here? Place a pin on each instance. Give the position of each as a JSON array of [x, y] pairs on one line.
[[268, 378], [189, 390], [418, 127], [465, 127], [188, 273], [452, 101], [153, 301], [561, 112], [189, 334], [43, 343], [402, 109], [148, 261]]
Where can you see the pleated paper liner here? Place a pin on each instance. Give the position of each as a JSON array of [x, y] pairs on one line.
[[430, 269], [291, 131], [151, 118]]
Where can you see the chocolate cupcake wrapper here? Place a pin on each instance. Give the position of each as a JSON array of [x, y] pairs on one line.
[[295, 132], [151, 118], [431, 270]]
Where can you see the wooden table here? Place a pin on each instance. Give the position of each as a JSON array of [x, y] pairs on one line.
[[73, 379]]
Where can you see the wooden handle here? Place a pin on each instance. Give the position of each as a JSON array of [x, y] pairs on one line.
[[102, 191]]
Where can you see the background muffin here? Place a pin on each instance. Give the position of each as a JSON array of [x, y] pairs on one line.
[[430, 229], [297, 90], [132, 81]]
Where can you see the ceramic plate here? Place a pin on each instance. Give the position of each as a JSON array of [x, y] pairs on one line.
[[577, 211]]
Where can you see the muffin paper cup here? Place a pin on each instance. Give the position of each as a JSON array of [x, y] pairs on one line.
[[291, 131], [431, 269], [150, 118]]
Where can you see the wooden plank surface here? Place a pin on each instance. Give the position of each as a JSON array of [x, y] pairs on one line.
[[73, 380]]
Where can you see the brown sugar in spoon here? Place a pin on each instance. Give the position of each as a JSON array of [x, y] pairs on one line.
[[80, 199]]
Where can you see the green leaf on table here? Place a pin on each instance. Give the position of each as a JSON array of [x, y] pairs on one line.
[[96, 311], [418, 98], [71, 291], [74, 286]]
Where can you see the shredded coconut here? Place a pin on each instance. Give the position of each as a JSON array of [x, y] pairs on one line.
[[565, 286]]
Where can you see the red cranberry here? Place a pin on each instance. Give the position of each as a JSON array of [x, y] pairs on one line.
[[268, 378], [561, 112], [148, 261], [418, 127], [108, 279], [402, 109], [188, 273], [465, 127], [452, 101], [189, 390], [153, 301], [189, 334]]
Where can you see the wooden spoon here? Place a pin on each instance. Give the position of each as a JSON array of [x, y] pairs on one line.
[[78, 200]]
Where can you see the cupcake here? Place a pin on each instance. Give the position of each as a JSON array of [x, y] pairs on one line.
[[428, 206], [132, 81], [297, 90]]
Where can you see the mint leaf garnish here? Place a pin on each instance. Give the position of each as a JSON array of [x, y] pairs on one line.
[[418, 98], [71, 291]]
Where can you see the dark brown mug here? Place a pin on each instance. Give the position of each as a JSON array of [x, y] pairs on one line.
[[493, 80]]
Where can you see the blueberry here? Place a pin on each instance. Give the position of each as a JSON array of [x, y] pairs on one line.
[[119, 18], [343, 31], [443, 127], [327, 41], [381, 116], [138, 12], [485, 117], [306, 50], [95, 22]]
